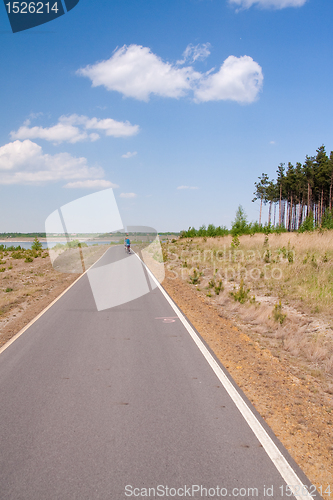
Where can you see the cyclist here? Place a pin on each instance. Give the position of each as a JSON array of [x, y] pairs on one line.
[[127, 244]]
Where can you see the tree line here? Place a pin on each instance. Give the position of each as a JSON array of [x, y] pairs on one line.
[[300, 199], [301, 196]]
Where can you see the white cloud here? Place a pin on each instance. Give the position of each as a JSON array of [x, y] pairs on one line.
[[194, 53], [90, 184], [58, 133], [128, 195], [136, 72], [25, 163], [272, 142], [74, 128], [129, 154], [187, 187], [266, 4], [239, 79], [112, 127]]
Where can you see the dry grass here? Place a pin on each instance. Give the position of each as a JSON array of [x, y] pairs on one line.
[[290, 276]]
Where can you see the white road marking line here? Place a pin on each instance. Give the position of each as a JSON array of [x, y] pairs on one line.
[[25, 328], [284, 468]]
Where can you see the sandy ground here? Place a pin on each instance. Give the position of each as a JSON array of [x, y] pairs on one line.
[[293, 403]]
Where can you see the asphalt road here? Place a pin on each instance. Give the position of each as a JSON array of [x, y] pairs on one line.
[[103, 404]]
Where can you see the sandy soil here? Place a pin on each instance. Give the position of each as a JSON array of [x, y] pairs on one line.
[[293, 403]]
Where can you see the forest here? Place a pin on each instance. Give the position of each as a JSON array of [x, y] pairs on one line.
[[301, 196]]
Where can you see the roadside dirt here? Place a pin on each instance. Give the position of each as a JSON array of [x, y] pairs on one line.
[[292, 402]]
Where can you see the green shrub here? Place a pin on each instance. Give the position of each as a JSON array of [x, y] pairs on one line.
[[218, 288], [8, 290], [211, 283], [327, 221], [240, 225], [18, 255], [267, 256], [287, 253], [11, 248], [235, 241], [277, 313], [195, 279], [307, 224], [36, 244], [242, 294]]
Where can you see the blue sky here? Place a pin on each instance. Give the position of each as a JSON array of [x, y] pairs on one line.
[[179, 104]]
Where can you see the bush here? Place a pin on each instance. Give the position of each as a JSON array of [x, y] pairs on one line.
[[307, 224], [288, 254], [36, 245], [17, 255], [210, 232], [218, 288], [327, 222], [277, 313], [12, 248], [235, 242], [195, 279], [267, 256], [242, 294], [239, 225]]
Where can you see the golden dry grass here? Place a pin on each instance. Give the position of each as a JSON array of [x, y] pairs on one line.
[[290, 275]]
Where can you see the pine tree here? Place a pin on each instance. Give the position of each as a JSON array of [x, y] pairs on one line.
[[260, 192], [303, 192]]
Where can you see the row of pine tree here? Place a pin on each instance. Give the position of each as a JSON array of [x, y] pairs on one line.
[[301, 196]]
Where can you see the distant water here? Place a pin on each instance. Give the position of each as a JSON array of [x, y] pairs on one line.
[[27, 244]]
